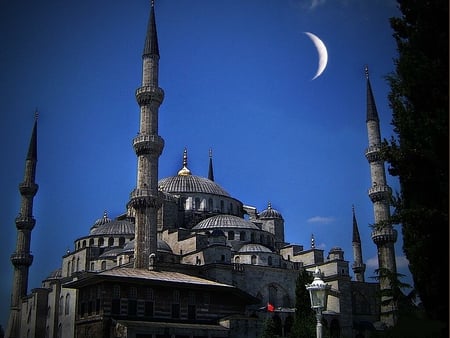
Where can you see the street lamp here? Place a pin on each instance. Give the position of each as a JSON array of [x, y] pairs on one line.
[[318, 292]]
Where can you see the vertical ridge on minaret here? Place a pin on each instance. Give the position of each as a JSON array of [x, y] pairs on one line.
[[22, 258], [210, 169], [358, 266], [148, 146], [383, 234]]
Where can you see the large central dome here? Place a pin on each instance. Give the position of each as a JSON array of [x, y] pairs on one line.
[[190, 184]]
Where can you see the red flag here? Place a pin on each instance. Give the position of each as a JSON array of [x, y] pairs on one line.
[[270, 307]]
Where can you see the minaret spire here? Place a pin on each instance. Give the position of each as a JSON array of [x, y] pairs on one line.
[[22, 258], [358, 266], [210, 169], [383, 235], [148, 145]]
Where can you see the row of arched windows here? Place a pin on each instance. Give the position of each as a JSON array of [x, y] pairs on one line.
[[100, 242], [64, 304]]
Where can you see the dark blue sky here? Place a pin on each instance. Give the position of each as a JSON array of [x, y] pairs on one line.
[[237, 77]]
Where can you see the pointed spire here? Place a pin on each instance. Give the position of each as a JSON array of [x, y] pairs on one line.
[[210, 170], [356, 238], [184, 171], [151, 40], [32, 148], [372, 114]]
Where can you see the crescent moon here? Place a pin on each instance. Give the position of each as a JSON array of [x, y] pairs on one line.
[[322, 51]]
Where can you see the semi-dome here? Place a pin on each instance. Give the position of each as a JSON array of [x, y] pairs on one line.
[[162, 246], [270, 213], [190, 184], [116, 227], [253, 247], [225, 221]]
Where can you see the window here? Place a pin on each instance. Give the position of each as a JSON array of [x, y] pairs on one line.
[[121, 241], [192, 310], [253, 259], [115, 306], [101, 241], [231, 235], [61, 305], [110, 241], [67, 304], [68, 268], [269, 260], [103, 265], [84, 243], [197, 203], [78, 264], [92, 266], [210, 205], [242, 236], [222, 206], [91, 242]]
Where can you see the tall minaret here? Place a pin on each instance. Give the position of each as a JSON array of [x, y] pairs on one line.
[[383, 235], [148, 146], [22, 258], [358, 266]]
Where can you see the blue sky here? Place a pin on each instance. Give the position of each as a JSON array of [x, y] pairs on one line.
[[237, 77]]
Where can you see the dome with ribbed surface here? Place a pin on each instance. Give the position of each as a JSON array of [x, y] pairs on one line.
[[253, 247], [116, 227], [105, 219], [270, 213], [162, 246], [225, 221], [190, 184]]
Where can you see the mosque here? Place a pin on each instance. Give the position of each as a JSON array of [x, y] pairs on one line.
[[186, 259]]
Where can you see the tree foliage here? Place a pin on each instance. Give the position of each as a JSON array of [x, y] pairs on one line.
[[305, 320], [419, 153]]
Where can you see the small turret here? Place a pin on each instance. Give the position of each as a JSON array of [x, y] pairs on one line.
[[358, 266]]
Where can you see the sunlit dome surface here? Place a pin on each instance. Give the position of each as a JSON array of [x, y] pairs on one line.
[[270, 213], [225, 221], [253, 247], [116, 227], [191, 184]]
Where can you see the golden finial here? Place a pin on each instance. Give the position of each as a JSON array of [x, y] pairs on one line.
[[313, 245], [366, 71], [184, 171], [269, 205]]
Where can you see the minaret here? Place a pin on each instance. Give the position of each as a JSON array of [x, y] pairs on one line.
[[383, 235], [22, 258], [210, 169], [148, 146], [358, 266]]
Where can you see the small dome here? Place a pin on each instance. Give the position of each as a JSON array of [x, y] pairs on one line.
[[162, 247], [111, 253], [56, 274], [252, 247], [116, 227], [105, 219], [225, 221], [270, 213]]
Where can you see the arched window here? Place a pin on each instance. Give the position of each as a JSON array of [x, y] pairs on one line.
[[92, 266], [210, 205], [121, 241], [269, 260], [237, 259], [73, 265], [222, 206], [110, 241], [253, 259], [91, 242], [101, 241], [78, 264], [197, 203], [231, 208], [231, 235], [252, 237], [67, 304], [103, 265], [61, 305], [242, 236], [68, 268], [84, 243]]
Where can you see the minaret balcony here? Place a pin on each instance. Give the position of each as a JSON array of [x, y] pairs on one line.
[[148, 94], [358, 267], [384, 235], [148, 144], [142, 197], [373, 153], [21, 259], [380, 193], [25, 222], [28, 188]]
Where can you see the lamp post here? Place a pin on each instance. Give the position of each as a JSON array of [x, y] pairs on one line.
[[318, 292]]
